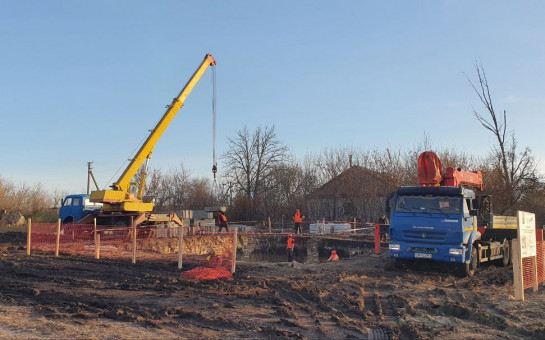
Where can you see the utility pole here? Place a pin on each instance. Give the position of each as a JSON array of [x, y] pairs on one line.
[[89, 176], [89, 169]]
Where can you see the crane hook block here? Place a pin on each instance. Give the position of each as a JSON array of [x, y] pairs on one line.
[[214, 170]]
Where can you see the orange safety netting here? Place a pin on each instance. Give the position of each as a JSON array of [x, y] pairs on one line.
[[205, 273], [528, 265], [215, 250], [81, 239]]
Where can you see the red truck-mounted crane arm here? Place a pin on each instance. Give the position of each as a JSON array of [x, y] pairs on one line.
[[430, 173], [467, 179]]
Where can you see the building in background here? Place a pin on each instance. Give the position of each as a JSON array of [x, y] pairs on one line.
[[355, 193]]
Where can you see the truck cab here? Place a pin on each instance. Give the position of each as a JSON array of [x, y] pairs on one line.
[[433, 222], [77, 206]]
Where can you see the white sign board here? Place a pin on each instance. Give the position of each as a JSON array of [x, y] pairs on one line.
[[526, 233]]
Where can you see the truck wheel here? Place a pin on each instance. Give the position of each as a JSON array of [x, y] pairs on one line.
[[506, 253], [399, 263], [68, 220], [471, 267]]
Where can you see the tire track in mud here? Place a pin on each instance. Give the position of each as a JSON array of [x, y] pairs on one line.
[[353, 306], [461, 301], [301, 305]]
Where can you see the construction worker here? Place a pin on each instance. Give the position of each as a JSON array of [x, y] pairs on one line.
[[334, 257], [222, 221], [289, 247], [298, 221], [383, 219]]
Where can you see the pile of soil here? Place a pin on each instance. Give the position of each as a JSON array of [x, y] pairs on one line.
[[362, 297]]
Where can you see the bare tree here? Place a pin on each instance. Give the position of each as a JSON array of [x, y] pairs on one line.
[[517, 169], [251, 157], [174, 189]]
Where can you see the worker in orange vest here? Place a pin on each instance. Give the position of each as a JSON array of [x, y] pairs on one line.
[[298, 221], [334, 256], [289, 247], [222, 221]]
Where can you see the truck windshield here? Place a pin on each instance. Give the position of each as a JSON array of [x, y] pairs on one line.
[[429, 204]]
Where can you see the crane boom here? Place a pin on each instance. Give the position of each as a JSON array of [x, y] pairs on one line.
[[119, 197]]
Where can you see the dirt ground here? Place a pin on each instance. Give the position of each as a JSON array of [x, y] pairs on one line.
[[363, 297]]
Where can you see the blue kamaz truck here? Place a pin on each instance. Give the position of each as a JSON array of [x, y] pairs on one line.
[[448, 219]]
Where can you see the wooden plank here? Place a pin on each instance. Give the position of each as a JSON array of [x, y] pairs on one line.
[[180, 245], [29, 235], [57, 245], [518, 280], [97, 247], [133, 240], [234, 263]]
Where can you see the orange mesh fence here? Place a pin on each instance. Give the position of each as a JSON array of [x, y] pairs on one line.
[[528, 272], [540, 261], [73, 238], [528, 265], [206, 249], [205, 273], [79, 239]]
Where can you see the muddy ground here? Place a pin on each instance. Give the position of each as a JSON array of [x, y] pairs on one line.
[[362, 297]]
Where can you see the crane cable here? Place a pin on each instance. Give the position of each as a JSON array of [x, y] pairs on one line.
[[215, 164]]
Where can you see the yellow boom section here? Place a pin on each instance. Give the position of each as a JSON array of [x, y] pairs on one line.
[[120, 196]]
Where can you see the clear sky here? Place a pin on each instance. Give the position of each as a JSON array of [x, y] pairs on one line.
[[85, 81]]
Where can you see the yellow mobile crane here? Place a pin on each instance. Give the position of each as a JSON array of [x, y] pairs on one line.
[[118, 204]]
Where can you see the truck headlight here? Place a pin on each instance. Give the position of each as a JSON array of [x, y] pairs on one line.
[[393, 246], [455, 251]]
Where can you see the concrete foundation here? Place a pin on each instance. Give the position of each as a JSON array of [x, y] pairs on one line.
[[259, 247], [308, 249]]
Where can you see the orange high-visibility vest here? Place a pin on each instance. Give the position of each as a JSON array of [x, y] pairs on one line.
[[222, 218], [291, 242], [334, 257], [297, 218]]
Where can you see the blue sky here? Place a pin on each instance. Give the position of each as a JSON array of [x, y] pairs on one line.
[[85, 81]]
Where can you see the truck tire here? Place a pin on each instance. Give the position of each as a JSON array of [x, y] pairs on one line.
[[471, 267], [399, 263], [68, 220], [506, 253]]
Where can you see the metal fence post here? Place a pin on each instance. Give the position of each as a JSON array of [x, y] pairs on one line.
[[270, 229]]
